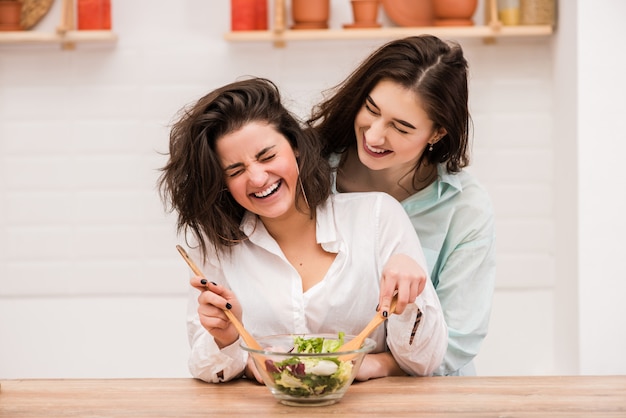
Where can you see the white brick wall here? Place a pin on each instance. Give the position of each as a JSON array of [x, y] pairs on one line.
[[90, 282]]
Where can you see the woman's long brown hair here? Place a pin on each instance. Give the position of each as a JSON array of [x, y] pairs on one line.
[[434, 70], [192, 182]]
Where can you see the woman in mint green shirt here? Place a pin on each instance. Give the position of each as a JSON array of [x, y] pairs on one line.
[[400, 124]]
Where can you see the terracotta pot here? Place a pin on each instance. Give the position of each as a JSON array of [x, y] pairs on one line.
[[454, 12], [10, 15], [310, 14], [410, 13], [248, 15], [365, 12], [93, 14]]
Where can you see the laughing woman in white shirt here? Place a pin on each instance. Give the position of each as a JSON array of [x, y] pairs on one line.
[[252, 191]]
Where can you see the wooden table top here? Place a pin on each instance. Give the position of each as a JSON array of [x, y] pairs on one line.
[[521, 396]]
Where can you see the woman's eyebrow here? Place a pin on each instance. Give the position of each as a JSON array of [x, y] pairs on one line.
[[256, 156], [400, 121], [264, 151], [233, 166], [404, 123]]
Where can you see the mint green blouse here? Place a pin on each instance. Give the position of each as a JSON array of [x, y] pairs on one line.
[[454, 220]]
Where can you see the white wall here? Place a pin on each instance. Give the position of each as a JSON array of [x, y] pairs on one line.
[[90, 282], [564, 135], [602, 197]]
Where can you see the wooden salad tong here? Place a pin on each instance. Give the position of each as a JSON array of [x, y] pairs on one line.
[[247, 337]]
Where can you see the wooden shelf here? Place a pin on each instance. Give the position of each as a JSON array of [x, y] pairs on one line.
[[66, 34], [444, 32], [492, 30], [72, 36]]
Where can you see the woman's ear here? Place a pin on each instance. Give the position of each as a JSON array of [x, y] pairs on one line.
[[440, 133]]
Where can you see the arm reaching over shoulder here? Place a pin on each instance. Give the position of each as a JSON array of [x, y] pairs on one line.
[[417, 335], [401, 274]]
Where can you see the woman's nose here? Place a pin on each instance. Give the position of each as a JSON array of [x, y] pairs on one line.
[[375, 134], [257, 175]]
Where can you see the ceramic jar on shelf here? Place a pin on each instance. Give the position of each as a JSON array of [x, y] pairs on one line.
[[365, 14], [310, 14], [509, 12], [10, 15], [248, 15], [538, 12], [93, 14], [409, 13], [454, 12]]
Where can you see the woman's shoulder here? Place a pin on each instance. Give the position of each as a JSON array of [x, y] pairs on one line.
[[452, 195], [364, 198], [470, 203], [463, 186], [371, 204]]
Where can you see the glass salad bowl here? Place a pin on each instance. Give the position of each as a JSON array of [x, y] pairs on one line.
[[307, 370]]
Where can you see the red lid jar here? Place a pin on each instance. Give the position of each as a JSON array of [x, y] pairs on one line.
[[248, 15], [94, 14]]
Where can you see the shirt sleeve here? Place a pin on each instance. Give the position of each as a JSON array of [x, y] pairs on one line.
[[418, 338], [206, 360], [465, 289]]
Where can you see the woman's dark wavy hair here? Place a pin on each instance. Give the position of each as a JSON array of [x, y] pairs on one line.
[[192, 182], [434, 70]]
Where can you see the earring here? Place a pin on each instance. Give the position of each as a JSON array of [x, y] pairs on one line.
[[430, 148], [302, 187]]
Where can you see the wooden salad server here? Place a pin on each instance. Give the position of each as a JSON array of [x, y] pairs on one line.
[[357, 342], [247, 337]]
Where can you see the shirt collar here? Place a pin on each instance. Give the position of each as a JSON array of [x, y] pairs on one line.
[[446, 179], [249, 223], [325, 231]]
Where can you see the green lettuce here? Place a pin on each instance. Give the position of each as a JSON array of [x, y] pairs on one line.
[[303, 376]]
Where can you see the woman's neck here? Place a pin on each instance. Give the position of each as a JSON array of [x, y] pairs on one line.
[[290, 228], [353, 176], [297, 239]]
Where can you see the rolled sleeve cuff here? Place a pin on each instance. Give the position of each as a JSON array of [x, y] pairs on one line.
[[214, 365], [418, 351]]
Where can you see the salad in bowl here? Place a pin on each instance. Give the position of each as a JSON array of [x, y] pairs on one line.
[[308, 370]]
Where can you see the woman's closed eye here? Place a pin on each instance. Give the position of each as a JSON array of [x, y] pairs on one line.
[[266, 157], [371, 107], [236, 169], [397, 128]]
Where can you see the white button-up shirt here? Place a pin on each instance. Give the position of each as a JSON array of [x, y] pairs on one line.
[[364, 229]]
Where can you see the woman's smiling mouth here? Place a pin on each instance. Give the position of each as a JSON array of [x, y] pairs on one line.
[[270, 190], [377, 152]]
